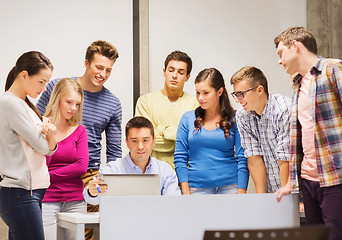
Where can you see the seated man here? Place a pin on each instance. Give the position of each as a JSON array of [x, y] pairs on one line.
[[140, 140]]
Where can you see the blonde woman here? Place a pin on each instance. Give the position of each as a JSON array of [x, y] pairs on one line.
[[70, 161]]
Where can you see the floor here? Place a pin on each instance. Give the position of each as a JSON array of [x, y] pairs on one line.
[[3, 230]]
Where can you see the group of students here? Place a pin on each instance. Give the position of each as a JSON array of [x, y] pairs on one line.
[[200, 144]]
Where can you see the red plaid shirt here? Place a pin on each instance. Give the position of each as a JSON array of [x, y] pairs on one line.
[[325, 94]]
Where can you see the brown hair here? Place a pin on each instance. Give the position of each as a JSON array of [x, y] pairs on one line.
[[251, 74], [216, 81], [299, 34], [139, 122], [181, 57], [101, 47], [32, 62]]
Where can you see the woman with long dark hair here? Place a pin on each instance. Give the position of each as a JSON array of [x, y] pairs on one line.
[[209, 158], [26, 137]]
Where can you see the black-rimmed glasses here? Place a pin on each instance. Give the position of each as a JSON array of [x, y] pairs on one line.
[[241, 95]]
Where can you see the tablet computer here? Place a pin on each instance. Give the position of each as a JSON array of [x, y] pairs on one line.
[[131, 184]]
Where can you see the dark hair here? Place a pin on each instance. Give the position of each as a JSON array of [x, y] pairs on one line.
[[32, 62], [215, 79], [101, 47], [251, 74], [299, 34], [139, 122], [179, 56]]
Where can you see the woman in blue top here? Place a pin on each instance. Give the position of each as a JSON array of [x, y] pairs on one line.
[[209, 158]]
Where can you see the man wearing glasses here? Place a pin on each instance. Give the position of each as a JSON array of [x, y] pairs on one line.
[[264, 126]]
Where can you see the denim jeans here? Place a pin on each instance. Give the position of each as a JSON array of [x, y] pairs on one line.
[[228, 189], [22, 213]]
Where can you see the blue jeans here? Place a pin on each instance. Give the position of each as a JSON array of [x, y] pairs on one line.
[[228, 189], [22, 213]]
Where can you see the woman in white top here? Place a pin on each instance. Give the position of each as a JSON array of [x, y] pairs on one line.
[[26, 137]]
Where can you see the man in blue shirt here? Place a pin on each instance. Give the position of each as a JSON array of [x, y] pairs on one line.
[[140, 140], [101, 109]]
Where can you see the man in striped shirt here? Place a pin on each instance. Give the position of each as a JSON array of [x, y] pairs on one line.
[[264, 124], [316, 128], [101, 109]]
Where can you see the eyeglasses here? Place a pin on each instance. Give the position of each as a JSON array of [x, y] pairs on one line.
[[241, 95]]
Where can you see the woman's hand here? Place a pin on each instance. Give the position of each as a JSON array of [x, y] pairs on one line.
[[49, 130], [185, 188]]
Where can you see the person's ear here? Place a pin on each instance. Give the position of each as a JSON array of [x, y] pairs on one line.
[[86, 63], [164, 72], [23, 74], [295, 45], [220, 91], [187, 77], [260, 89]]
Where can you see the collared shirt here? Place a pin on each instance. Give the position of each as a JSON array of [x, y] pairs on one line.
[[326, 109], [267, 136], [167, 176]]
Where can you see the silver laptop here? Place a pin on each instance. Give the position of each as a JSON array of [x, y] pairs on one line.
[[131, 184]]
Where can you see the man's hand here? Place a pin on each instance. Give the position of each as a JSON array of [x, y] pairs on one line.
[[286, 190], [93, 184]]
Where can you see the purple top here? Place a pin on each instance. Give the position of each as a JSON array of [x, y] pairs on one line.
[[66, 168]]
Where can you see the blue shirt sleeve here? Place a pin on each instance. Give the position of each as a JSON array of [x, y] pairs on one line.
[[243, 173], [113, 135], [45, 97], [182, 150]]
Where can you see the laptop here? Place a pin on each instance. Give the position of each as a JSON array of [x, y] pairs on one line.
[[131, 184]]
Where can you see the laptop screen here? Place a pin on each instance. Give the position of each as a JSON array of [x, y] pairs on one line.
[[131, 184]]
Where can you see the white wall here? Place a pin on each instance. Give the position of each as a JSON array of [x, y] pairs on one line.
[[62, 30], [225, 34]]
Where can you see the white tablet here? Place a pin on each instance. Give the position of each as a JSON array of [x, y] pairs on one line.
[[131, 184]]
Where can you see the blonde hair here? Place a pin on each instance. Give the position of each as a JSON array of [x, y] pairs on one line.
[[63, 87]]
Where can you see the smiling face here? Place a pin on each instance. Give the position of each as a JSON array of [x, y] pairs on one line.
[[207, 96], [251, 99], [175, 75], [140, 143], [287, 58], [36, 84], [69, 104], [98, 71]]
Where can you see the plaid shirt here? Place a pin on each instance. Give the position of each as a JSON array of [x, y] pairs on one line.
[[326, 107], [267, 136]]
